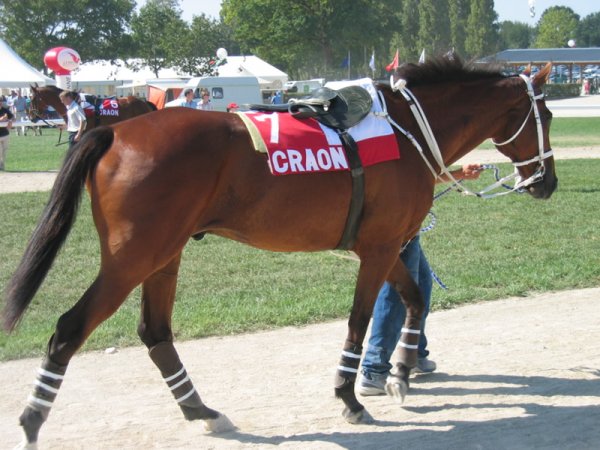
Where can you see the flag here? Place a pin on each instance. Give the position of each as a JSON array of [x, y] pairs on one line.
[[346, 62], [394, 64], [422, 57], [372, 61]]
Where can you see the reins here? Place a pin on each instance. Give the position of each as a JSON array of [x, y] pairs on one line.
[[37, 115]]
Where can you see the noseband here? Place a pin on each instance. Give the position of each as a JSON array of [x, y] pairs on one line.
[[419, 115]]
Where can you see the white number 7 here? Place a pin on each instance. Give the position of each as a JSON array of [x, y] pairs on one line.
[[274, 118]]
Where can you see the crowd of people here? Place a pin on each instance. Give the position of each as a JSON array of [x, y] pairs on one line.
[[19, 106], [203, 102]]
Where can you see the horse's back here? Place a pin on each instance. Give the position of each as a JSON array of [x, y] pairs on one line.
[[201, 170]]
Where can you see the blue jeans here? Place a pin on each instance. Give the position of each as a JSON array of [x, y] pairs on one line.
[[389, 313]]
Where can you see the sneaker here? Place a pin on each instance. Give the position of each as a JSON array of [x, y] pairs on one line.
[[425, 365], [371, 384]]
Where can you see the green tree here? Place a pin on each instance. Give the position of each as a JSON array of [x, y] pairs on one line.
[[482, 33], [405, 39], [434, 26], [158, 33], [96, 29], [515, 35], [196, 54], [311, 37], [557, 25], [588, 32], [458, 12]]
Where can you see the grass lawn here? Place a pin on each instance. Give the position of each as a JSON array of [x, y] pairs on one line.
[[570, 132], [482, 250]]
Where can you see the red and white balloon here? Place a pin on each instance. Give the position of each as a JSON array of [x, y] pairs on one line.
[[62, 61]]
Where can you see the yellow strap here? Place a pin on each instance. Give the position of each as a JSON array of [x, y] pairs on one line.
[[257, 140]]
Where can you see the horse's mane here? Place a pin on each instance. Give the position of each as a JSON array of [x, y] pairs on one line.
[[51, 88], [446, 69]]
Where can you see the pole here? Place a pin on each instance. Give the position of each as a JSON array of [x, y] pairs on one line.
[[349, 63]]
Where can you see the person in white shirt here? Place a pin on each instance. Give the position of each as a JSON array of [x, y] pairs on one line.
[[76, 120]]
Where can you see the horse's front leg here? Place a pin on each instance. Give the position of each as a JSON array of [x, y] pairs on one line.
[[371, 275], [401, 280]]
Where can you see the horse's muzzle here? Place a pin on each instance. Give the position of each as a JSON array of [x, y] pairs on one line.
[[544, 188]]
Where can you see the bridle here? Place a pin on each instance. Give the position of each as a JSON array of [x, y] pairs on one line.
[[36, 114], [417, 111], [542, 154]]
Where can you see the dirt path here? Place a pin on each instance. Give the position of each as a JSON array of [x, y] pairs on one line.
[[521, 373]]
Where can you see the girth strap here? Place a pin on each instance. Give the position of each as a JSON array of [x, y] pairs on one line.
[[358, 191]]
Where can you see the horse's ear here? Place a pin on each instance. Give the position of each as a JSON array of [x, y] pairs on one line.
[[542, 76], [33, 86], [527, 70]]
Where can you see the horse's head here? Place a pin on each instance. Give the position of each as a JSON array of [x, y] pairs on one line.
[[525, 136], [41, 98], [37, 105]]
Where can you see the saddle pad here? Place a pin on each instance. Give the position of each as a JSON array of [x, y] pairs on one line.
[[307, 146], [109, 107]]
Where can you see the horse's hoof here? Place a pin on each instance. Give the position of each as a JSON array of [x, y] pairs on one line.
[[396, 388], [219, 425], [361, 417], [24, 445]]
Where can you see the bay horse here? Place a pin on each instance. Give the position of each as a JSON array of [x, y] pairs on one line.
[[128, 107], [158, 179]]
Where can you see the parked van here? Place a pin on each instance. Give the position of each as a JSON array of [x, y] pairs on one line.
[[223, 91], [304, 86]]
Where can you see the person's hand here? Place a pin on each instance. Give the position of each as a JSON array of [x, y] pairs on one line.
[[471, 171]]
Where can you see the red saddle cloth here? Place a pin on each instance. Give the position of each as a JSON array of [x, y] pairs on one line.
[[306, 146], [109, 107]]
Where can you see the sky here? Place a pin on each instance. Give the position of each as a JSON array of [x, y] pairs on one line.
[[514, 10]]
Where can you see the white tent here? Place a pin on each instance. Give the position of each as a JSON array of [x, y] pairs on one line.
[[119, 71], [106, 78], [269, 77], [15, 72]]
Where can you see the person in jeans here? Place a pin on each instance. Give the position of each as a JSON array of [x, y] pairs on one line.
[[389, 314]]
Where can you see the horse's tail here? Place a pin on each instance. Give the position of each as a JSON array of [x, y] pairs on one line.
[[55, 223]]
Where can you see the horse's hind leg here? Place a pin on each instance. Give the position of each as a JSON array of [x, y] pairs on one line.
[[158, 296], [98, 303]]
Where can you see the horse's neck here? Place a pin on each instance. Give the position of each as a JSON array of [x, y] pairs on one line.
[[475, 115], [53, 100]]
